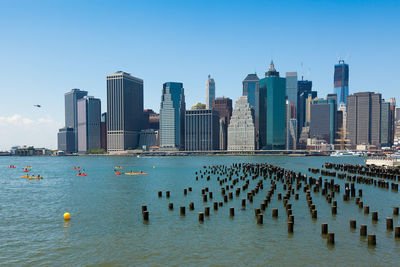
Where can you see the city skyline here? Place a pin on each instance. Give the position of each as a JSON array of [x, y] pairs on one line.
[[69, 61]]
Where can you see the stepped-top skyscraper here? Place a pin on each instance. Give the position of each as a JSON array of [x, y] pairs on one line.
[[210, 92], [272, 112], [124, 111], [341, 82], [241, 130], [172, 117]]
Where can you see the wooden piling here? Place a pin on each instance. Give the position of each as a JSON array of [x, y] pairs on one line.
[[171, 206], [366, 209], [371, 240], [353, 224], [324, 228], [331, 239], [363, 230], [232, 211], [201, 216], [389, 224], [290, 227], [374, 216], [274, 212], [145, 215]]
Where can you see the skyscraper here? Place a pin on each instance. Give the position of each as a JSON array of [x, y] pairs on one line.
[[89, 128], [124, 111], [210, 92], [251, 89], [224, 108], [172, 117], [71, 112], [201, 130], [304, 88], [291, 87], [241, 129], [341, 82], [66, 140], [291, 127], [323, 120], [275, 132], [103, 126], [387, 121], [364, 118]]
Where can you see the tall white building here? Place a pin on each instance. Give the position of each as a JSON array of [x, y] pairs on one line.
[[210, 92], [241, 129]]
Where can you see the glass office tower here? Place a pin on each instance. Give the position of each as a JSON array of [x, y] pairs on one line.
[[341, 82]]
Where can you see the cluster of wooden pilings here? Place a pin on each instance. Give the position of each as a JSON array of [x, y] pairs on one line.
[[246, 180]]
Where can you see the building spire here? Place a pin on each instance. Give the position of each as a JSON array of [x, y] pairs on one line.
[[271, 66], [271, 70]]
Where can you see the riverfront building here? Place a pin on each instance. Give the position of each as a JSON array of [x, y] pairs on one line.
[[341, 82], [304, 93], [71, 113], [172, 117], [89, 124], [364, 118], [210, 92], [201, 130], [291, 87], [223, 106], [251, 89], [103, 129], [323, 120], [124, 111], [66, 140], [273, 136], [241, 129]]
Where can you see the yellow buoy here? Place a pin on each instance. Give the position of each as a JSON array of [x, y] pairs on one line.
[[67, 216]]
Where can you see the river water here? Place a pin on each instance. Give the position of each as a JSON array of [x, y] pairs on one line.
[[107, 228]]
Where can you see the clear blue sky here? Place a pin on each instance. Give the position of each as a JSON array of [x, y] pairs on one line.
[[49, 47]]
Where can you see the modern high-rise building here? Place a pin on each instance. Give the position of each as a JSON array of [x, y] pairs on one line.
[[364, 118], [103, 126], [151, 120], [251, 89], [275, 110], [241, 129], [124, 111], [341, 82], [172, 117], [210, 92], [291, 127], [304, 92], [323, 120], [89, 124], [291, 87], [71, 112], [201, 130], [223, 106], [66, 140], [387, 123]]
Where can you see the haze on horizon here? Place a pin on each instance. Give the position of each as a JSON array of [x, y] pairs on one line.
[[48, 48]]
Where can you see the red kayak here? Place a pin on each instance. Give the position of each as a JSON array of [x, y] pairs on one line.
[[12, 167], [82, 174], [27, 170]]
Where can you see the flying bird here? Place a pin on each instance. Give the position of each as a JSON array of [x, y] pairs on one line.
[[38, 106]]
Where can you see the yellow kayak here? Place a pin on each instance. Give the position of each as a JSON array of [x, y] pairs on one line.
[[27, 177], [136, 173], [35, 178]]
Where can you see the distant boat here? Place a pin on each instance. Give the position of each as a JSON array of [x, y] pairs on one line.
[[345, 153]]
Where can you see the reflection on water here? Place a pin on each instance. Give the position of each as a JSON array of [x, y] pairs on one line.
[[107, 227]]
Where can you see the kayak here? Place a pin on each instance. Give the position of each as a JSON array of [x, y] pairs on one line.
[[119, 167], [35, 178], [136, 173], [76, 168], [12, 167], [28, 167], [27, 177], [27, 170], [83, 174], [117, 173]]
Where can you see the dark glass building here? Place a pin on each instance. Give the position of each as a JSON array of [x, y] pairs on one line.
[[273, 98], [103, 125], [304, 89], [323, 120], [201, 130], [172, 117], [66, 140], [124, 111], [341, 82]]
